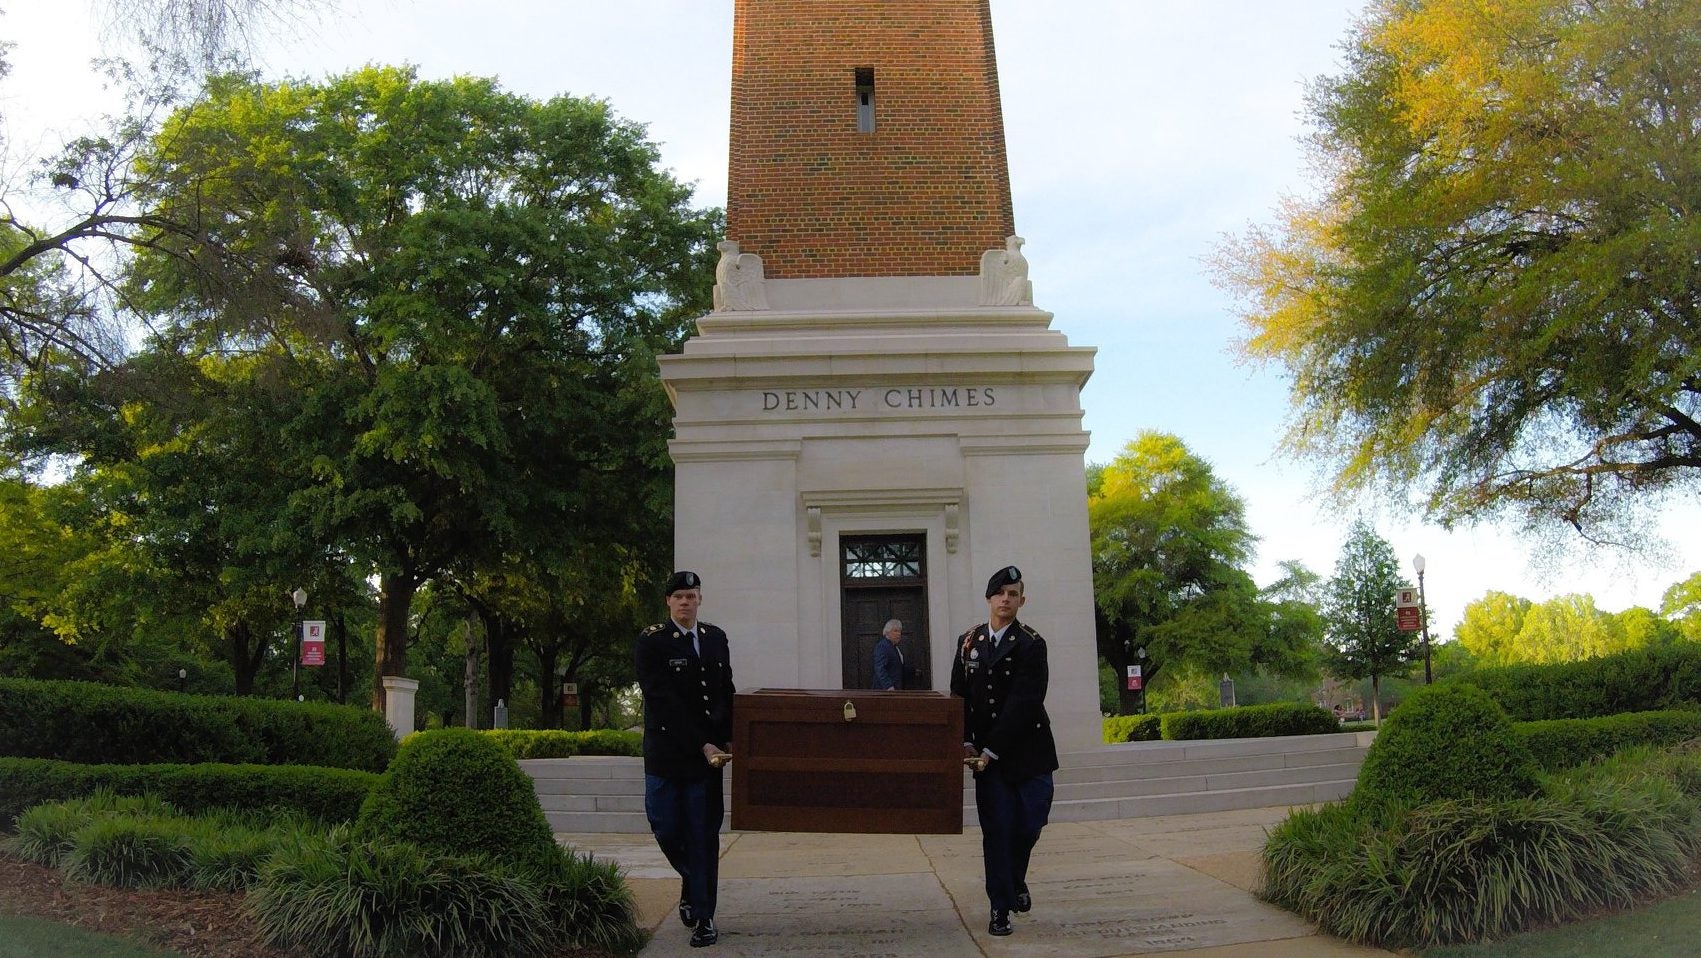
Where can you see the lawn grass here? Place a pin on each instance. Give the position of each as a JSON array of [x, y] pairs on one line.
[[1668, 929], [22, 937]]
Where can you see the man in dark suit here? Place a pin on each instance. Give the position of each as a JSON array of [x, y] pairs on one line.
[[685, 672], [1001, 674], [889, 671]]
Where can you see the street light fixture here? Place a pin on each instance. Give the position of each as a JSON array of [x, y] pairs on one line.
[[299, 597], [1423, 617]]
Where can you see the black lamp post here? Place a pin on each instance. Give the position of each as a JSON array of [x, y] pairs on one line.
[[182, 680], [1140, 660], [1423, 617], [299, 596]]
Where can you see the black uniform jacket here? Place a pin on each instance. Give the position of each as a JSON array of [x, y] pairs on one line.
[[687, 698], [1003, 694]]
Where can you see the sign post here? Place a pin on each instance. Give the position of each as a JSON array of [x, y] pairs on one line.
[[1408, 611], [313, 642]]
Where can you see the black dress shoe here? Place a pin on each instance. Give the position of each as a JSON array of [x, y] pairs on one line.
[[686, 915], [706, 934], [1024, 901], [1000, 923]]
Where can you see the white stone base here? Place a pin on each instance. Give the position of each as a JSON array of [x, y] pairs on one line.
[[399, 695], [798, 425]]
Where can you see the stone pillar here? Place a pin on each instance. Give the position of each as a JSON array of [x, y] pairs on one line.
[[398, 704]]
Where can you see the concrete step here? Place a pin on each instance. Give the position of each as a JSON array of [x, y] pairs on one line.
[[1130, 780]]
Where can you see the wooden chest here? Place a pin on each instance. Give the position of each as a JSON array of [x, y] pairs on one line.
[[847, 761]]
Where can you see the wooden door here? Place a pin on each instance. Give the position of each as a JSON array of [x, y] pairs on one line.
[[883, 578]]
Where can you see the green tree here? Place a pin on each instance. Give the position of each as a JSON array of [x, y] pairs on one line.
[[1642, 628], [1494, 298], [458, 284], [1490, 625], [1169, 546], [1681, 605], [1567, 628], [1359, 625]]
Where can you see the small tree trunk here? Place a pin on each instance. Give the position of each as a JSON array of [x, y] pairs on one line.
[[341, 626], [470, 680], [390, 654], [1376, 698]]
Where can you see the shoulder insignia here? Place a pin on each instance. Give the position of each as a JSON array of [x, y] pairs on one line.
[[652, 629], [1031, 633], [707, 627]]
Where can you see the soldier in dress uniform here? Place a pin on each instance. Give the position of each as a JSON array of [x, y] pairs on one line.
[[1000, 673], [685, 671]]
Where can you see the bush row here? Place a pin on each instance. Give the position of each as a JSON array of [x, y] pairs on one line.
[[322, 794], [1245, 721], [555, 743], [1133, 728], [1564, 743], [1251, 721], [103, 724], [1644, 680]]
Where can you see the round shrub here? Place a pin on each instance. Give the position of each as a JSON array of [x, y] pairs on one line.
[[1445, 743], [457, 792]]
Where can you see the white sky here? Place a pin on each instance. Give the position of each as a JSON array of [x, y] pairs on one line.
[[1139, 133]]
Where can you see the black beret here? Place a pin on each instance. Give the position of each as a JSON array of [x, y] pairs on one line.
[[683, 580], [1009, 575]]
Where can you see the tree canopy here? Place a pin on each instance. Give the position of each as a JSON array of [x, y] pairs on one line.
[[405, 325], [1169, 546], [1494, 297], [1502, 629]]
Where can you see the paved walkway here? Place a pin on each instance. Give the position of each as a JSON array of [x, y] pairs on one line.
[[1177, 885]]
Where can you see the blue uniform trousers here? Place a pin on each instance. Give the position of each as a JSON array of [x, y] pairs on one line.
[[1011, 816], [685, 816]]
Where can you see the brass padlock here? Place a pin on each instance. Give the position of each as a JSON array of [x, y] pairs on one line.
[[850, 711]]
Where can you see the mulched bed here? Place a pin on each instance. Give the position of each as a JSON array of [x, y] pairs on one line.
[[200, 924]]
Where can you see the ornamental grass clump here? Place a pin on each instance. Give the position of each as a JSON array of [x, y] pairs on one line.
[[1603, 836], [363, 899], [46, 833], [130, 852], [340, 895]]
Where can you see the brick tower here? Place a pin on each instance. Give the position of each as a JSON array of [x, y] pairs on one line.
[[875, 417], [867, 138]]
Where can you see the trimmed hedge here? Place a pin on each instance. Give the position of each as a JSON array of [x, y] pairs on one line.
[[1445, 743], [1133, 728], [324, 794], [1251, 721], [1564, 743], [104, 724], [1644, 680], [555, 743], [456, 792]]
